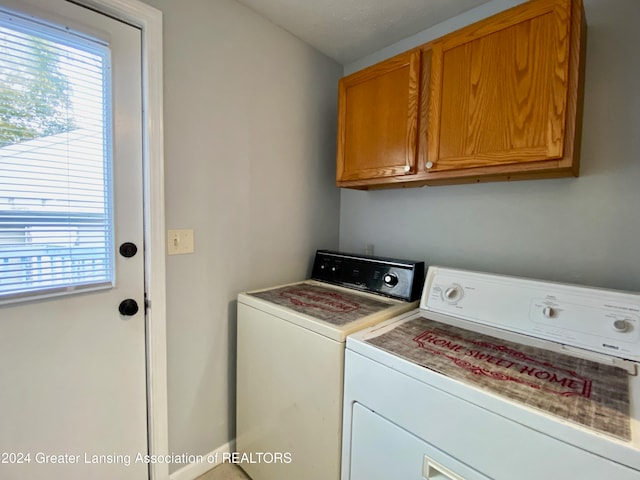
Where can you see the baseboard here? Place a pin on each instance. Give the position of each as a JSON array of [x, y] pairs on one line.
[[209, 461]]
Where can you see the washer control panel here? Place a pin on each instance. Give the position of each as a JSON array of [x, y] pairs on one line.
[[604, 321], [400, 279]]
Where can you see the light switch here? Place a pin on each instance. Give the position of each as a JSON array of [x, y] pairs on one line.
[[180, 242]]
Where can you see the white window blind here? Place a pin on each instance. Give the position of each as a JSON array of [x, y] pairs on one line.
[[56, 226]]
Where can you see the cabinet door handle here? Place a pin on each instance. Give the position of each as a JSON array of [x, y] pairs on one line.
[[432, 470], [429, 165]]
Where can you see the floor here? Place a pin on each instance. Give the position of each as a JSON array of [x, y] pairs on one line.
[[225, 471]]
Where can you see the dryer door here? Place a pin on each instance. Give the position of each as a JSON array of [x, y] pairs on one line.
[[381, 450]]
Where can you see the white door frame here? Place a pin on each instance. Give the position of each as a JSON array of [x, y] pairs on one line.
[[149, 20]]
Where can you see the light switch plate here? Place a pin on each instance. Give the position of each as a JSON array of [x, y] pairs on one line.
[[180, 242]]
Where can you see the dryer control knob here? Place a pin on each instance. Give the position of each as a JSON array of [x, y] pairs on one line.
[[548, 312], [620, 325], [453, 293]]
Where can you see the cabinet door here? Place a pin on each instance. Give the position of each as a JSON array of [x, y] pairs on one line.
[[378, 120], [499, 90]]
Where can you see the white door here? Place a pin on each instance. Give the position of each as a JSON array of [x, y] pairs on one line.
[[72, 366]]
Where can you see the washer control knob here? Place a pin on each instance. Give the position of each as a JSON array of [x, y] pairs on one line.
[[620, 325], [390, 279], [548, 312]]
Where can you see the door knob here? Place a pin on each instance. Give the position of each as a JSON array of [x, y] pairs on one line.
[[128, 249], [128, 307]]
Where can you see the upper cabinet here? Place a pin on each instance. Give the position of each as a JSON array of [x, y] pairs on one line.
[[498, 100], [378, 119]]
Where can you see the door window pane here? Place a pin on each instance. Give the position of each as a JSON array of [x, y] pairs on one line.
[[56, 233]]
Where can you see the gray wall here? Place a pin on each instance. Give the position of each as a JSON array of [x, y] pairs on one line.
[[249, 120], [581, 230]]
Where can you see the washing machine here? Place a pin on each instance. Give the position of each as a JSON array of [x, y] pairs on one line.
[[290, 360]]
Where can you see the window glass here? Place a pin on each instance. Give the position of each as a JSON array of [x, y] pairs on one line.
[[55, 161]]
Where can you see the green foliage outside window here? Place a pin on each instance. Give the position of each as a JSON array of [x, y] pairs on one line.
[[34, 94]]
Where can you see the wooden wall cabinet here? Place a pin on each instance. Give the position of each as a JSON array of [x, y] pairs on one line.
[[378, 120], [498, 100]]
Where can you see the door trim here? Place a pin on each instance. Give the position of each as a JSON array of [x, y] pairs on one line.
[[149, 20]]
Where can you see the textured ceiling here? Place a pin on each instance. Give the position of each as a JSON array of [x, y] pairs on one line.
[[347, 30]]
